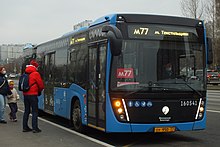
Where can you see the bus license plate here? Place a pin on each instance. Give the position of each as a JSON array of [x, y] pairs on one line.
[[164, 129]]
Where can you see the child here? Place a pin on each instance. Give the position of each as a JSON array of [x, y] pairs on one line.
[[12, 101]]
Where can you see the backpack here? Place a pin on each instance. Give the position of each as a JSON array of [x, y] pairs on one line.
[[23, 84]]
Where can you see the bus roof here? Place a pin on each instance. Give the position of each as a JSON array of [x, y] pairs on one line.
[[146, 18], [110, 17], [135, 18]]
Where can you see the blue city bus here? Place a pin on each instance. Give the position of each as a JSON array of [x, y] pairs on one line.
[[128, 73]]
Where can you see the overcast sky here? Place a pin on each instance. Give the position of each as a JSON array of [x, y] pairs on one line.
[[37, 21]]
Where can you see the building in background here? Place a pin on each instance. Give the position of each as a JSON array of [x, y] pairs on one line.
[[10, 52], [84, 23], [11, 57]]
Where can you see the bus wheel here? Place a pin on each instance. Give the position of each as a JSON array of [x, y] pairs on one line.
[[76, 117]]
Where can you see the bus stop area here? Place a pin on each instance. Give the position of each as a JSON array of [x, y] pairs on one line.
[[11, 134]]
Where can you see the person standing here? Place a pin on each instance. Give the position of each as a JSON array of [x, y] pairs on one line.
[[12, 101], [168, 73], [4, 91], [30, 97]]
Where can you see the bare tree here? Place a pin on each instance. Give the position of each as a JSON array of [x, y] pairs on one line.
[[210, 19], [192, 8], [217, 33], [210, 10]]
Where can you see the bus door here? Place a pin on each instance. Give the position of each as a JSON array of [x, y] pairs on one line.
[[49, 62], [96, 89]]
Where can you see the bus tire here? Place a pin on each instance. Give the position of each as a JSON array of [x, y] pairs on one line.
[[76, 117]]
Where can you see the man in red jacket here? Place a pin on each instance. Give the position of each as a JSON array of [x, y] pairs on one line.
[[30, 97]]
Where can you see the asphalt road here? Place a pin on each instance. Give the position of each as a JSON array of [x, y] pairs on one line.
[[56, 133], [208, 137]]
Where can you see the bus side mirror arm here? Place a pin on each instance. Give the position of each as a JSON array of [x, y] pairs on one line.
[[115, 37]]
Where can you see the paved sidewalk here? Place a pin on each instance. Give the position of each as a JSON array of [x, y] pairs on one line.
[[11, 135]]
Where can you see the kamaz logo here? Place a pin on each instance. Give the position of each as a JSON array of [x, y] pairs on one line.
[[165, 110], [96, 33]]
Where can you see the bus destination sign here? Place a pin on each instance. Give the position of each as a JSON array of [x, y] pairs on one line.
[[154, 32]]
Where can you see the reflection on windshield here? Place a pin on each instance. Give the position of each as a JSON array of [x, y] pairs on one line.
[[144, 61]]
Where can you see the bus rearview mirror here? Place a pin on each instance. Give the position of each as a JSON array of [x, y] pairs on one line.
[[115, 37]]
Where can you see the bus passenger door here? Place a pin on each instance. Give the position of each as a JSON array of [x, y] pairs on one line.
[[49, 63], [96, 89]]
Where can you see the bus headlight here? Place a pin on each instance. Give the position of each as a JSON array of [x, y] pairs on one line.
[[201, 109], [120, 109], [117, 103]]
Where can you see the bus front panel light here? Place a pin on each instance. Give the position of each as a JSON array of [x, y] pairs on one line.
[[122, 117], [201, 109], [200, 115], [202, 103], [117, 103], [120, 110]]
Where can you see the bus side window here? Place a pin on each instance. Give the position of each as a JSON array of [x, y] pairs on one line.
[[72, 66], [49, 65], [78, 65], [102, 73]]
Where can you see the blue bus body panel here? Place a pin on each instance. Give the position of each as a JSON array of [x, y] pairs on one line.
[[63, 98], [188, 126], [78, 92], [200, 125], [112, 124], [62, 101]]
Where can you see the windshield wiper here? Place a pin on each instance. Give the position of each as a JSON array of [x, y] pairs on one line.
[[199, 93], [186, 83], [149, 87]]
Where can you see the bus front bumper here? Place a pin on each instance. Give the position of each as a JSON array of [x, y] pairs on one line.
[[168, 127]]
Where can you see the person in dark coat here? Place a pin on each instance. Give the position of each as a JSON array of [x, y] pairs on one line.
[[30, 97], [4, 91], [168, 73]]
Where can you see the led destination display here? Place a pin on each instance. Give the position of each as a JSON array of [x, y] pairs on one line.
[[162, 32]]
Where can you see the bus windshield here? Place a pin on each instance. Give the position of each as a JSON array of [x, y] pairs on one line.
[[159, 64]]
